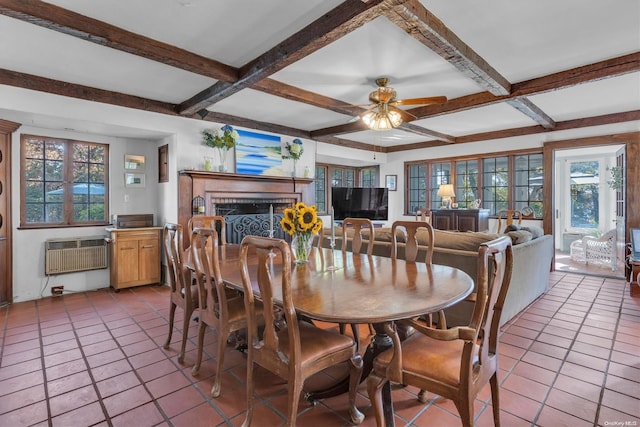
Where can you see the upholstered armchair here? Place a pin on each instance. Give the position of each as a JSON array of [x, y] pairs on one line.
[[600, 250]]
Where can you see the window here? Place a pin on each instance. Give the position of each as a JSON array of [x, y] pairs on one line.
[[369, 178], [495, 184], [585, 194], [328, 176], [440, 174], [64, 182], [466, 182], [321, 189], [505, 182], [417, 188], [528, 183]]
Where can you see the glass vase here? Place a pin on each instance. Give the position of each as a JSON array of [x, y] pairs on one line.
[[301, 245], [222, 167]]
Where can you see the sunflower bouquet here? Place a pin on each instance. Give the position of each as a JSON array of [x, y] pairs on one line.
[[302, 223]]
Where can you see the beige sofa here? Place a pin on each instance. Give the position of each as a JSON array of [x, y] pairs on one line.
[[531, 263]]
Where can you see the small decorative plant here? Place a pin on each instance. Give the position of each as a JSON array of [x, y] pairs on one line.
[[294, 149], [223, 140]]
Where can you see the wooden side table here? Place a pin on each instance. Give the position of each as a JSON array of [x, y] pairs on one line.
[[634, 287]]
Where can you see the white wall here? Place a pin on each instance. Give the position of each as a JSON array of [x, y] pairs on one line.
[[29, 280]]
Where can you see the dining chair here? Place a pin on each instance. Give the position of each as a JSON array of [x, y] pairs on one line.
[[409, 232], [184, 293], [215, 222], [358, 225], [216, 308], [454, 363], [294, 349], [423, 214], [508, 216]]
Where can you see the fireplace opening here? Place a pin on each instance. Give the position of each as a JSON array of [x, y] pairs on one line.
[[251, 216]]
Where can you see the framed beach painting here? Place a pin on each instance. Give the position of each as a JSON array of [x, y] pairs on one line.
[[258, 154]]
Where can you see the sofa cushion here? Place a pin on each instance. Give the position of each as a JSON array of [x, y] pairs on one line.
[[464, 241], [519, 236], [535, 231]]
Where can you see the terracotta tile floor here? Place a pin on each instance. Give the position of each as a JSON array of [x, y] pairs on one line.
[[96, 358]]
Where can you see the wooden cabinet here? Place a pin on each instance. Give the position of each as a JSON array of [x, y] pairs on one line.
[[135, 256], [460, 219]]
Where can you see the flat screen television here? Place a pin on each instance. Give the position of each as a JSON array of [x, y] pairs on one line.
[[354, 202]]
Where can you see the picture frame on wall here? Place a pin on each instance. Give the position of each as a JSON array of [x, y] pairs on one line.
[[134, 180], [134, 162], [391, 182]]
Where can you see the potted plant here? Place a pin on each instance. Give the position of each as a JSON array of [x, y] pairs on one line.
[[223, 140], [294, 151]]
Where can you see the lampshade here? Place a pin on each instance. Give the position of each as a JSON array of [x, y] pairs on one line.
[[446, 190], [382, 118]]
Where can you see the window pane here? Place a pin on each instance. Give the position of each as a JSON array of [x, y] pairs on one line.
[[584, 187], [440, 174], [320, 189], [495, 182], [466, 182], [528, 183], [417, 188], [53, 168]]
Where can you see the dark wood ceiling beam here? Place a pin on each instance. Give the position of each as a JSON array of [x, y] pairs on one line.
[[423, 26], [613, 67], [254, 124], [338, 22], [71, 90], [605, 119], [55, 18], [293, 93], [531, 110], [562, 80]]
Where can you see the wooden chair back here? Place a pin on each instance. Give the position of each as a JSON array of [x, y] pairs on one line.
[[215, 222], [410, 230], [183, 294], [454, 363], [358, 225], [507, 217], [289, 348], [219, 307], [423, 214]]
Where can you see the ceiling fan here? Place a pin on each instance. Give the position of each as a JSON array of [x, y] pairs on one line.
[[384, 113]]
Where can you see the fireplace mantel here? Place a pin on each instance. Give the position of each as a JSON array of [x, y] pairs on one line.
[[217, 185]]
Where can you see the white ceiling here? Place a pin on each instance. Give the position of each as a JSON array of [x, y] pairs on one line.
[[520, 40]]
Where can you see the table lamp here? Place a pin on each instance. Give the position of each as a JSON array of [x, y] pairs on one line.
[[446, 192]]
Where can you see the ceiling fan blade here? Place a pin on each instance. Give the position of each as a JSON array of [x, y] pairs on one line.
[[406, 116], [421, 101]]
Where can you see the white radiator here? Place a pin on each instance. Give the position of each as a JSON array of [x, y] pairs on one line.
[[76, 254]]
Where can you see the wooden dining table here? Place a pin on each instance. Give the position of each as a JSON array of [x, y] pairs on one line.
[[351, 288]]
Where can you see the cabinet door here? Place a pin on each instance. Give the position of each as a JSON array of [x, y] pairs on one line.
[[467, 221], [149, 260], [127, 263], [443, 220]]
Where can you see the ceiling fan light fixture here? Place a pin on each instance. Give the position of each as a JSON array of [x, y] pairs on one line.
[[382, 119]]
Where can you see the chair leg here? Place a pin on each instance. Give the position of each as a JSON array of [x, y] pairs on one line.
[[185, 333], [355, 373], [201, 329], [374, 390], [295, 390], [249, 415], [465, 409], [495, 399], [215, 389], [172, 315]]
